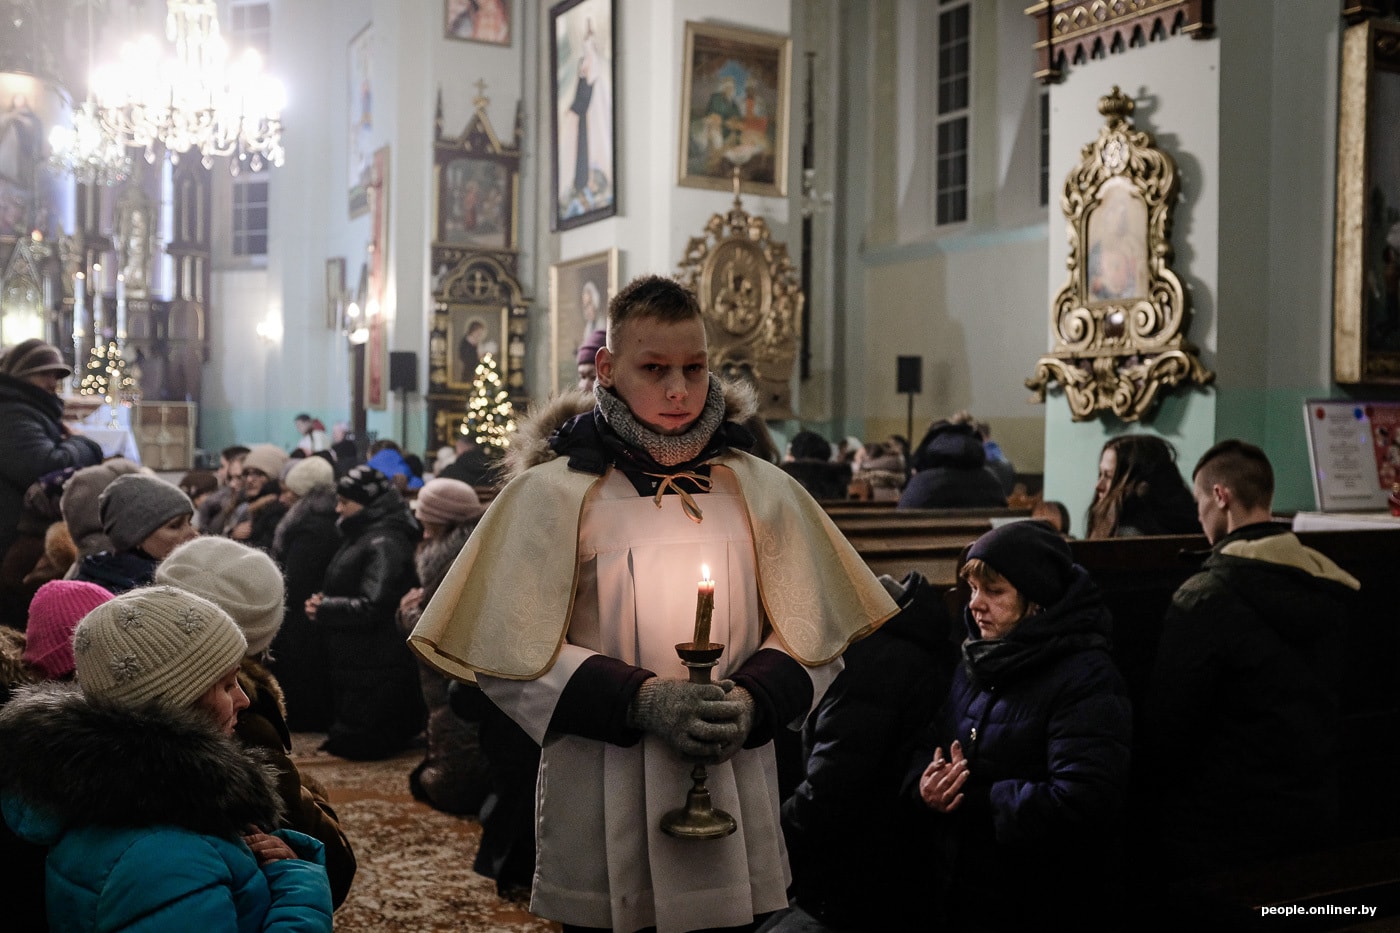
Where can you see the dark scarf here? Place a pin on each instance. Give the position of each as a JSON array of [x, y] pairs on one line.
[[1078, 622]]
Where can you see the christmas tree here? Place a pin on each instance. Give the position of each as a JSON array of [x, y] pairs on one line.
[[109, 375], [490, 419]]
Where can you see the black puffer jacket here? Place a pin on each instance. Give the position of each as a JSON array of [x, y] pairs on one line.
[[374, 678], [303, 546], [858, 848], [1247, 683], [951, 472], [1044, 719], [35, 442]]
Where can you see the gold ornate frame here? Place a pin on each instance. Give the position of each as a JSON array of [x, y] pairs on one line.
[[752, 302], [1366, 282], [1119, 321]]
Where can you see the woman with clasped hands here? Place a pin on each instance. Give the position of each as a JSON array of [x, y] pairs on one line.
[[1036, 727]]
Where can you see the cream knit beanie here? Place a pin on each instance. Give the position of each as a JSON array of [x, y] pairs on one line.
[[242, 581], [155, 644], [309, 473]]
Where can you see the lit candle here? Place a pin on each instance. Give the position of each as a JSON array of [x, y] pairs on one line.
[[704, 607]]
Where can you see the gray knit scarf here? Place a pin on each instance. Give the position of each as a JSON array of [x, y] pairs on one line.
[[665, 449]]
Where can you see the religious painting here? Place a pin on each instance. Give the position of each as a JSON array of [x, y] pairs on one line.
[[1366, 296], [1117, 247], [335, 291], [377, 347], [734, 109], [474, 204], [361, 87], [579, 292], [473, 332], [21, 152], [582, 115], [477, 20]]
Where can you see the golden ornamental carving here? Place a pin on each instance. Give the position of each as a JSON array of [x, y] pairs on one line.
[[752, 302], [1119, 321]]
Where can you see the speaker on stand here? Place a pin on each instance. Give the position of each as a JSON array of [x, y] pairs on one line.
[[909, 378], [403, 379]]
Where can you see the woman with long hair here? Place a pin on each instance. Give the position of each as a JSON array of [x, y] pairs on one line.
[[1140, 491]]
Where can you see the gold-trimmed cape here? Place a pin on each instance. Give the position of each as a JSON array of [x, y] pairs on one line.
[[504, 607]]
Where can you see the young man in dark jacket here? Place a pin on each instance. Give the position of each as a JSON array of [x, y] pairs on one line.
[[1242, 716]]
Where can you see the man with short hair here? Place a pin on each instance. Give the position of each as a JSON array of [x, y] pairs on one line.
[[1239, 744]]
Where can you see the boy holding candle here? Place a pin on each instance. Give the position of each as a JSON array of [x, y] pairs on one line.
[[596, 543]]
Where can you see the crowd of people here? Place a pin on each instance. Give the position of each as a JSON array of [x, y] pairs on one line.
[[891, 763]]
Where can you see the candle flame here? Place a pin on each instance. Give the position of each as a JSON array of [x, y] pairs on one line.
[[705, 572]]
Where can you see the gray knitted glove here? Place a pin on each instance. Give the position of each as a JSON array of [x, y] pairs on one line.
[[697, 720], [736, 694]]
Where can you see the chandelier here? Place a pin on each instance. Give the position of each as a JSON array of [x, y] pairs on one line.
[[84, 150], [196, 99]]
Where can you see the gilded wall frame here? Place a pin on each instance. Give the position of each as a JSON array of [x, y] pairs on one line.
[[1366, 281], [1119, 321]]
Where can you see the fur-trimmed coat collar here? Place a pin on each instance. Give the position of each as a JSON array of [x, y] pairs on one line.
[[530, 446], [84, 762], [319, 501]]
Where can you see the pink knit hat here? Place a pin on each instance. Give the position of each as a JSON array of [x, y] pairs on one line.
[[446, 501], [55, 612]]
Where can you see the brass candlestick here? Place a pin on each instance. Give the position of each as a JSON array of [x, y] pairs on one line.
[[698, 819]]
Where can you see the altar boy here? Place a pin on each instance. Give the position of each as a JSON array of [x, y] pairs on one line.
[[569, 599]]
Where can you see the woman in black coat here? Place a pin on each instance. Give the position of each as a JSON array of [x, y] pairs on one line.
[[32, 433], [950, 471], [1027, 762], [857, 846], [303, 545], [374, 678]]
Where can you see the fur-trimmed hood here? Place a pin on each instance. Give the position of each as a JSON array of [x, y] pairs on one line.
[[319, 501], [529, 446], [81, 762], [13, 671]]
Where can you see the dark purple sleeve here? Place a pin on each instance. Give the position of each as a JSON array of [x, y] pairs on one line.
[[781, 690], [595, 700]]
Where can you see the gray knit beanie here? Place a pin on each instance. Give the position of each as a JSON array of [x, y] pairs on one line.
[[242, 581], [155, 643], [135, 505]]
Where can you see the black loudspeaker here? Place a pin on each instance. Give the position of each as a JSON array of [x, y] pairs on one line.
[[403, 371], [910, 374]]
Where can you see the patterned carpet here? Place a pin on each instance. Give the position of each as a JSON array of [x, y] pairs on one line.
[[414, 872]]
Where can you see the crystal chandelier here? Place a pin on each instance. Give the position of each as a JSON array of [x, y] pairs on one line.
[[196, 99], [85, 150]]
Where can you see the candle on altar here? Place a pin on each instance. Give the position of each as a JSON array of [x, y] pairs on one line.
[[704, 607], [121, 306]]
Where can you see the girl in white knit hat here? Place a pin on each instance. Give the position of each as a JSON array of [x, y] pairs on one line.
[[155, 816]]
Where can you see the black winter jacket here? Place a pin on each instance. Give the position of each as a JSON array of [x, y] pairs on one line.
[[303, 545], [35, 442], [858, 848], [1044, 719], [951, 472], [378, 708], [1240, 734]]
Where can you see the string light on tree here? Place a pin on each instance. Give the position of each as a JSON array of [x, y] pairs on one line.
[[490, 419], [109, 375]]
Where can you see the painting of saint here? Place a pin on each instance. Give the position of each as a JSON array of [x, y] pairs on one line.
[[734, 109], [1117, 248], [474, 204], [478, 20], [583, 112]]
